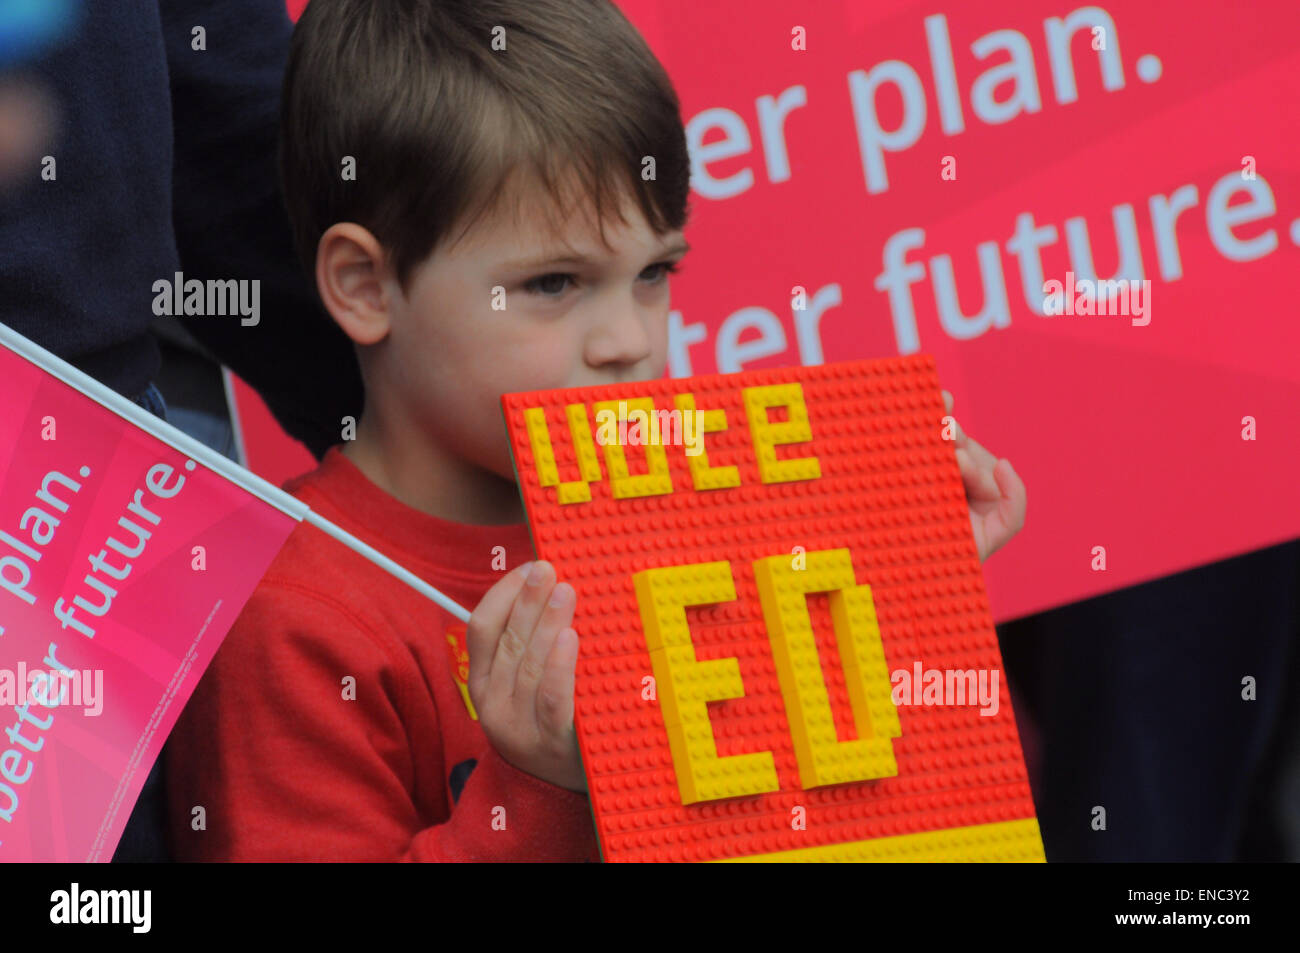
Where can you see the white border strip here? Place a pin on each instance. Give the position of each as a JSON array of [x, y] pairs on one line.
[[219, 464], [232, 411]]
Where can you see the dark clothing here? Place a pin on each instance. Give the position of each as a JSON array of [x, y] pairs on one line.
[[165, 163], [1137, 698]]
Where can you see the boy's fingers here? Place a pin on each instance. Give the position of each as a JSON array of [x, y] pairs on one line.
[[1008, 517], [555, 693], [485, 624], [983, 459], [947, 402], [979, 482], [1015, 499], [958, 434], [525, 612], [556, 616]]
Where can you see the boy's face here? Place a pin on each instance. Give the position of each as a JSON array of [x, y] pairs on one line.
[[514, 307]]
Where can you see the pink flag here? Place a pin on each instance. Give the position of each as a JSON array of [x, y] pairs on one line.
[[123, 563], [127, 550]]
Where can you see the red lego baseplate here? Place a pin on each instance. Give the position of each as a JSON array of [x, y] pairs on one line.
[[760, 622]]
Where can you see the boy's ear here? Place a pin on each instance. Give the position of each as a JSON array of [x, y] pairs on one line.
[[354, 281]]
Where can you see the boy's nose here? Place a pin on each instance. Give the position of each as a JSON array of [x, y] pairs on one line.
[[619, 337]]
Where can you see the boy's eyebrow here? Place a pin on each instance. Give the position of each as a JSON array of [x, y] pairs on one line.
[[556, 258]]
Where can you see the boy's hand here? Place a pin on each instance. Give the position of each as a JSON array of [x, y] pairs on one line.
[[522, 657], [995, 493]]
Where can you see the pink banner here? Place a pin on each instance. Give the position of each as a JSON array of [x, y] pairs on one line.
[[887, 178], [926, 172], [122, 565]]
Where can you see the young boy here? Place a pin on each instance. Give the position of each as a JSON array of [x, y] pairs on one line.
[[463, 177]]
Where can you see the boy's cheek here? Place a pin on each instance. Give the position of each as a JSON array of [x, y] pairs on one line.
[[659, 342], [496, 457]]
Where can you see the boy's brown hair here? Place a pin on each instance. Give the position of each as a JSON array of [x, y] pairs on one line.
[[437, 120]]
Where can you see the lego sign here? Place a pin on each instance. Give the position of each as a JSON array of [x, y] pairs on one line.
[[786, 647]]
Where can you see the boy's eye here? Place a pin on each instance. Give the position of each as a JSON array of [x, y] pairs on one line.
[[550, 286], [557, 282], [659, 270]]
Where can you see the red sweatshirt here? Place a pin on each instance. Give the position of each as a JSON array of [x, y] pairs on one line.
[[289, 763]]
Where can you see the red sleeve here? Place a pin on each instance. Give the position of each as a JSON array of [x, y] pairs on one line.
[[287, 768], [505, 814]]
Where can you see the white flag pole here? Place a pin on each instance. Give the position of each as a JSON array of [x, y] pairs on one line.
[[245, 479]]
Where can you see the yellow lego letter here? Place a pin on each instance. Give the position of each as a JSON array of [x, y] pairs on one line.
[[584, 448], [768, 435], [687, 685], [823, 758], [656, 480], [704, 476]]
